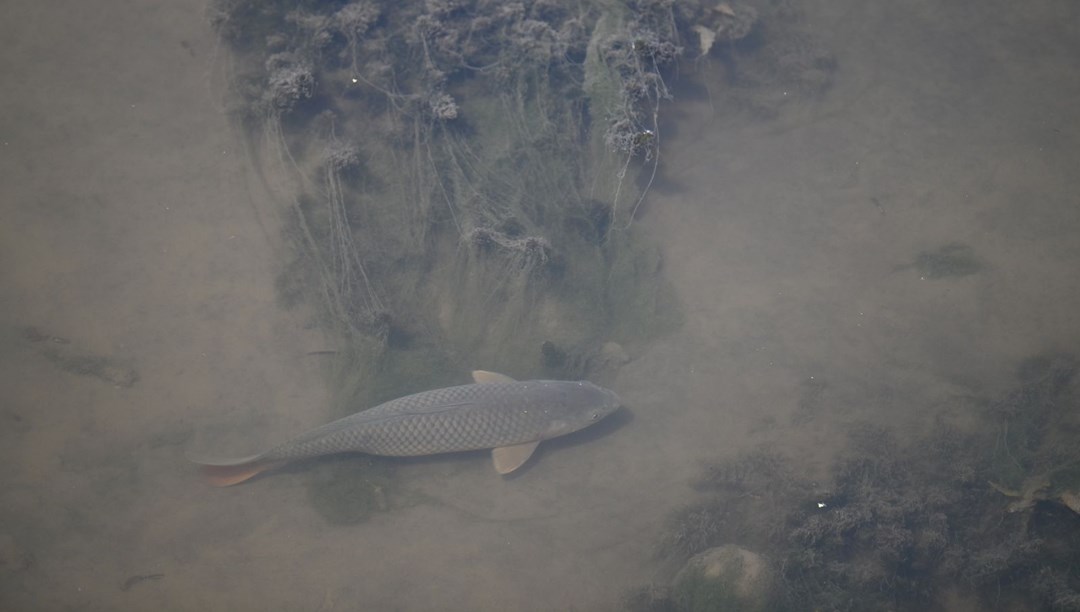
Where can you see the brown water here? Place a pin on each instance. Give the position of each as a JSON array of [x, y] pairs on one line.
[[136, 234]]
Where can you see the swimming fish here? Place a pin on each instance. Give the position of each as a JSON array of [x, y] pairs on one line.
[[508, 416]]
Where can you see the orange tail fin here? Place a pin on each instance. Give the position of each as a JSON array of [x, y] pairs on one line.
[[229, 475], [228, 472]]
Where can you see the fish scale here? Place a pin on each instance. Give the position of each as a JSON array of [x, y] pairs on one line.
[[508, 416], [465, 417]]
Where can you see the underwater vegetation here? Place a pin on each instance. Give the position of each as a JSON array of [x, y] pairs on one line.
[[349, 492], [986, 513], [462, 177], [439, 182], [952, 260]]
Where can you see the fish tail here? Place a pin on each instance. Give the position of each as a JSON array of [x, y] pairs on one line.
[[233, 472]]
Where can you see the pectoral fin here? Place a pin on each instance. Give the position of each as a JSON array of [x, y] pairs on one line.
[[509, 458], [484, 377]]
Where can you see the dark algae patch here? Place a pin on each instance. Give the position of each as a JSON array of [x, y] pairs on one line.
[[463, 173], [138, 579], [60, 351], [468, 174], [949, 261], [987, 512], [349, 490]]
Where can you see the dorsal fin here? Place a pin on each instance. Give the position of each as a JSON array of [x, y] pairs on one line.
[[509, 458], [484, 377]]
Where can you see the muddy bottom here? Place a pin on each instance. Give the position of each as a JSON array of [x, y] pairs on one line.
[[870, 254]]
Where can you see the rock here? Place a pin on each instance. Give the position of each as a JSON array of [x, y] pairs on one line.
[[727, 577], [1071, 499], [614, 353], [724, 22], [1058, 487]]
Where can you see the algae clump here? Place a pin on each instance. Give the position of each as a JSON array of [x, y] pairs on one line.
[[460, 176]]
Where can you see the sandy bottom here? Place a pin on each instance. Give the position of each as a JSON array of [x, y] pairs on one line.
[[136, 234]]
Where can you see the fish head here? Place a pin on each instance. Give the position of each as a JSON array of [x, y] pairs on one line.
[[576, 405]]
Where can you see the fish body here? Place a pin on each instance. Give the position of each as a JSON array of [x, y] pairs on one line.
[[511, 417]]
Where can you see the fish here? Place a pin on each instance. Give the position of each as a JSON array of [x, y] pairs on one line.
[[496, 412]]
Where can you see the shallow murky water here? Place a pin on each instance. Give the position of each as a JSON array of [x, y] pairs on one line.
[[871, 254]]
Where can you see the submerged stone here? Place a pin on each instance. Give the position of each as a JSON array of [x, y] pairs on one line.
[[727, 577]]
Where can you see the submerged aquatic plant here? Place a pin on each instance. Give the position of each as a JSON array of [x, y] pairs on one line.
[[436, 163], [289, 81], [900, 522]]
